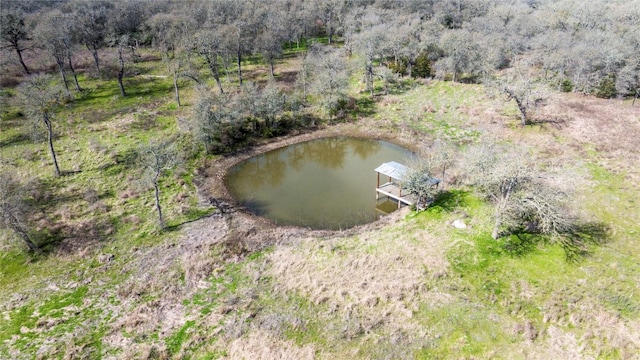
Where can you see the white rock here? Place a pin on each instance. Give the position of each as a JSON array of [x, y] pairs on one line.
[[459, 224]]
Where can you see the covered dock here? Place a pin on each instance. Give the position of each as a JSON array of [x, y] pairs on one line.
[[392, 188]]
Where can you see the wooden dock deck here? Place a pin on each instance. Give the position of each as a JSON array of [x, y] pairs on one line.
[[394, 191]]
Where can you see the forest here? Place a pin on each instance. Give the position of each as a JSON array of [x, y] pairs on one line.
[[119, 120]]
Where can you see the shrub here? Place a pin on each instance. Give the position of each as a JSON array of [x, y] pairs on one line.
[[422, 68], [606, 88], [399, 66], [566, 85]]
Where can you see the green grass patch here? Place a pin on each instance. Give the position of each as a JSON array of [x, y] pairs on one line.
[[463, 329], [22, 317], [174, 342], [58, 302], [13, 265]]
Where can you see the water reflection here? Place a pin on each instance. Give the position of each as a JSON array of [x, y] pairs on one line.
[[325, 183]]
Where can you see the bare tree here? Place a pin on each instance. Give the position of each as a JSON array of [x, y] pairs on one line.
[[426, 176], [271, 104], [156, 159], [53, 33], [462, 54], [178, 66], [370, 42], [121, 43], [13, 208], [499, 175], [172, 35], [519, 85], [91, 25], [40, 97], [211, 116], [628, 80], [330, 13], [524, 197], [13, 33], [208, 44], [270, 40], [329, 76], [420, 182], [236, 38]]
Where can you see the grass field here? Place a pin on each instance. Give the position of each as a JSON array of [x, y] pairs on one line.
[[112, 285]]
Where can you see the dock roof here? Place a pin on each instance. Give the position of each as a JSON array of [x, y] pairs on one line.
[[393, 169]]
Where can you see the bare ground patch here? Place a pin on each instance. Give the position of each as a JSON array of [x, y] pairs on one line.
[[611, 128], [262, 345]]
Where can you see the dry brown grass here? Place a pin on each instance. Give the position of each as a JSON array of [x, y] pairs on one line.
[[262, 345], [375, 280], [611, 128]]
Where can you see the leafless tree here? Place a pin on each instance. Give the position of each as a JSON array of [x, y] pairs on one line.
[[462, 54], [91, 24], [524, 197], [271, 38], [40, 97], [520, 85], [208, 44], [121, 43], [329, 76], [14, 209], [172, 35], [53, 34], [370, 42], [14, 34], [156, 159]]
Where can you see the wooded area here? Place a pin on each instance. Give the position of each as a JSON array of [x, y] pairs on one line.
[[573, 46], [119, 120]]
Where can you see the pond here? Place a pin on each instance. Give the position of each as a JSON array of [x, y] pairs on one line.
[[326, 183]]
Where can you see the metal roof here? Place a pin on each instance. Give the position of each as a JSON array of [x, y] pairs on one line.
[[398, 171], [393, 169]]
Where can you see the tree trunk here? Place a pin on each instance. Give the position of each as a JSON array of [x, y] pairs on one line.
[[369, 76], [495, 234], [240, 67], [212, 61], [24, 66], [96, 58], [271, 67], [156, 188], [304, 84], [133, 48], [121, 72], [47, 122], [75, 77], [521, 107], [523, 112], [14, 224], [63, 74], [329, 29], [175, 87]]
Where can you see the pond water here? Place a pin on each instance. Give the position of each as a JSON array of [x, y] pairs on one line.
[[321, 184]]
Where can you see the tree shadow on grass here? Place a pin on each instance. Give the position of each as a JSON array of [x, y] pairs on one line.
[[557, 122], [364, 106], [15, 139], [73, 238], [399, 87], [577, 244], [449, 201], [219, 209], [521, 244]]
